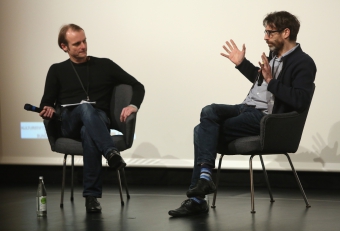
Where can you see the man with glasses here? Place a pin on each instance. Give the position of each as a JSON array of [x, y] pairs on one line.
[[282, 83]]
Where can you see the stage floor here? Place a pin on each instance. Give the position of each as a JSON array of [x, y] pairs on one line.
[[148, 207]]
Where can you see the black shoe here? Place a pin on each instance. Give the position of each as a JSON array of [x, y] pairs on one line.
[[189, 208], [92, 205], [115, 161], [202, 188]]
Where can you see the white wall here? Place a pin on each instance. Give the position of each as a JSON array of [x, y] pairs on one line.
[[173, 48]]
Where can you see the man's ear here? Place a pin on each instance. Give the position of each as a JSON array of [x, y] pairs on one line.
[[64, 47], [286, 33]]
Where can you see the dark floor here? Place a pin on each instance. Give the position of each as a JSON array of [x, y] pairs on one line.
[[148, 210]]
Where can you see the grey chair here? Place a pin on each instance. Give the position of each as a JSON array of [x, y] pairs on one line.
[[279, 134], [121, 97]]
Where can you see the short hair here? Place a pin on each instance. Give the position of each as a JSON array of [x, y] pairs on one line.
[[63, 31], [282, 20]]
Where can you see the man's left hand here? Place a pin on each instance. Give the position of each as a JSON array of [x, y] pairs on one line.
[[126, 112], [265, 68]]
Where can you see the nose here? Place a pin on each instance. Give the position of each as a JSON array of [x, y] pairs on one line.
[[266, 37], [82, 45]]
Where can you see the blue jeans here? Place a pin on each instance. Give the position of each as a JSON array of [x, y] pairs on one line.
[[221, 123], [91, 125]]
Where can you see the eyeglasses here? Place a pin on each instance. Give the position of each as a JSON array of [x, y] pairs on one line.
[[269, 32]]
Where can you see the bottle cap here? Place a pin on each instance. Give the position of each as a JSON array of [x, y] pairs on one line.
[[41, 177]]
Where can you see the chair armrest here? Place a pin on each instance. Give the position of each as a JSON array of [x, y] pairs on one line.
[[129, 129], [282, 132]]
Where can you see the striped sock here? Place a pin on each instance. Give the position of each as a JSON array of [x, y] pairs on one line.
[[197, 200], [206, 173]]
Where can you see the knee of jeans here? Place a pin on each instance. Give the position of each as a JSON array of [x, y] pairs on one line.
[[207, 110], [196, 129], [196, 133], [86, 108]]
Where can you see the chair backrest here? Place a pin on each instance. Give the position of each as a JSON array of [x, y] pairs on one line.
[[283, 132], [121, 97]]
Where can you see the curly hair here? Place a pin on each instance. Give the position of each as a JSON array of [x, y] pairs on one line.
[[282, 20]]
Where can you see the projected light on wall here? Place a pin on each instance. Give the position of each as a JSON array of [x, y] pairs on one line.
[[36, 130], [33, 130]]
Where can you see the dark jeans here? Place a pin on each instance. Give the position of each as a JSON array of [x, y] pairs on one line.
[[91, 125], [221, 123]]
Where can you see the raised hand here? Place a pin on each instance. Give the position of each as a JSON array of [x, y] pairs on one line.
[[233, 53], [265, 68]]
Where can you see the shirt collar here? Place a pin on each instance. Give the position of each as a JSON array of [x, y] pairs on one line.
[[287, 53]]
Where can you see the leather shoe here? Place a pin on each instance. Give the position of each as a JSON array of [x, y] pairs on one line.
[[115, 161], [92, 205], [202, 188], [189, 208]]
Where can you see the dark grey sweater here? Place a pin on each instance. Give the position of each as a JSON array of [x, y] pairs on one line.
[[294, 86]]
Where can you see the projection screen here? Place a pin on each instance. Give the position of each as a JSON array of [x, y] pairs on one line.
[[173, 48]]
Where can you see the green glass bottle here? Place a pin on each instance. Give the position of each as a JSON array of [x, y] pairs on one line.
[[41, 198]]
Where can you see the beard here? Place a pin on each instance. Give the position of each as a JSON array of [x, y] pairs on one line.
[[275, 46]]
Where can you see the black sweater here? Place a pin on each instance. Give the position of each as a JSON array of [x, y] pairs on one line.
[[98, 76], [294, 86]]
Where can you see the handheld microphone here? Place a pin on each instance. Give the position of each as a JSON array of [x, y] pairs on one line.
[[29, 107]]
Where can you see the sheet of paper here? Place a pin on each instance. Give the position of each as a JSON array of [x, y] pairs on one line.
[[75, 104]]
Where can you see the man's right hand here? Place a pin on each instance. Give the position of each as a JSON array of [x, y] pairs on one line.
[[234, 54], [47, 112]]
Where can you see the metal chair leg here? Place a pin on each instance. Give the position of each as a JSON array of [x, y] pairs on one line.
[[298, 181], [72, 172], [267, 180], [125, 184], [251, 184], [120, 189], [217, 180], [63, 182]]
